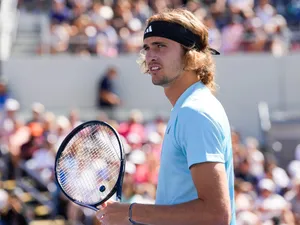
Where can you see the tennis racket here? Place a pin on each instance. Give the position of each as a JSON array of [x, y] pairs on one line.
[[89, 164]]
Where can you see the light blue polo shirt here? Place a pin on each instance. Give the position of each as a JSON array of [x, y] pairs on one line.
[[198, 131]]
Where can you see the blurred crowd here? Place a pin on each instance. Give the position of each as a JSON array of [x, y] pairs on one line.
[[113, 27], [265, 193], [35, 142]]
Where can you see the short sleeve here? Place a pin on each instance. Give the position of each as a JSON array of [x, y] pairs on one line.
[[200, 137]]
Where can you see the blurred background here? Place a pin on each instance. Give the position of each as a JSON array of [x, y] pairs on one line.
[[63, 62]]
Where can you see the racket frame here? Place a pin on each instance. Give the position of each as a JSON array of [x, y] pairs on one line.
[[117, 189]]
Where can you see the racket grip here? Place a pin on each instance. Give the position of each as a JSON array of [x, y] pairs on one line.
[[119, 198]]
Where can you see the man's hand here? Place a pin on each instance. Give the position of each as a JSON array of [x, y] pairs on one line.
[[113, 213]]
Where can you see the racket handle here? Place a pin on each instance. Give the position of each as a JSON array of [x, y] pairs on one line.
[[119, 193]]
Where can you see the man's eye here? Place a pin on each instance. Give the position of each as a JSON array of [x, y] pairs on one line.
[[160, 46]]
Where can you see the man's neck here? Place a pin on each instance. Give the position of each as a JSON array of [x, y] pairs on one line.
[[178, 86]]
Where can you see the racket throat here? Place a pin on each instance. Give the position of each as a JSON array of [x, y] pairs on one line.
[[87, 206]]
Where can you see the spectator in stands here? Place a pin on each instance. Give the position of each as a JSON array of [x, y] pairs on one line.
[[154, 143], [102, 37], [239, 150], [152, 162], [128, 190], [74, 118], [254, 37], [134, 35], [63, 127], [160, 5], [296, 201], [293, 12], [108, 98], [278, 175], [134, 126], [244, 197], [59, 37], [255, 156], [4, 94], [293, 197], [35, 142], [240, 6], [49, 124], [265, 11], [248, 218], [44, 157], [9, 121], [243, 172], [213, 32], [37, 110], [13, 134], [232, 35], [141, 10], [138, 157], [279, 34], [272, 206], [10, 210], [60, 12], [145, 193], [142, 192]]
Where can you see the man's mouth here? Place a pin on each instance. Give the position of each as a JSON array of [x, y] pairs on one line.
[[154, 68]]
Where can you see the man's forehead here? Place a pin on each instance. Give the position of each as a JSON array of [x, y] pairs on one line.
[[150, 40]]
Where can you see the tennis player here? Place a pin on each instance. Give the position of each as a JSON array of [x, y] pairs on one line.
[[196, 178]]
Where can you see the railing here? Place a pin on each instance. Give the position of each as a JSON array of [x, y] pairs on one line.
[[8, 26]]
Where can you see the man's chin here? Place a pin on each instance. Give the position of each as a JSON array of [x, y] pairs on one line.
[[159, 83], [155, 81], [156, 84]]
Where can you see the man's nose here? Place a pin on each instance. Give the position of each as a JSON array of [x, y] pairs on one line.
[[151, 56]]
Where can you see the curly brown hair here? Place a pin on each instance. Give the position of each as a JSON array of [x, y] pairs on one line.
[[200, 61]]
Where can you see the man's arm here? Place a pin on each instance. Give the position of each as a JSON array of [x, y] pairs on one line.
[[109, 97], [211, 207]]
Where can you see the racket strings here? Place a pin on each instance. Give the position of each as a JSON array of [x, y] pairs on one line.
[[90, 160]]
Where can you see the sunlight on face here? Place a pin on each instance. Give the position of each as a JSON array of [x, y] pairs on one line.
[[163, 59]]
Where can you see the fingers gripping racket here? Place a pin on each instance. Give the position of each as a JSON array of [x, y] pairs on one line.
[[89, 165]]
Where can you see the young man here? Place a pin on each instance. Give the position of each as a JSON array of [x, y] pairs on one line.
[[108, 98], [196, 177]]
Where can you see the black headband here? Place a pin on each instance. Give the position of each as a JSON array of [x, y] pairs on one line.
[[175, 32]]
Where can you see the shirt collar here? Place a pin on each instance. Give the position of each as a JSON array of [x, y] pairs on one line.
[[187, 93]]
